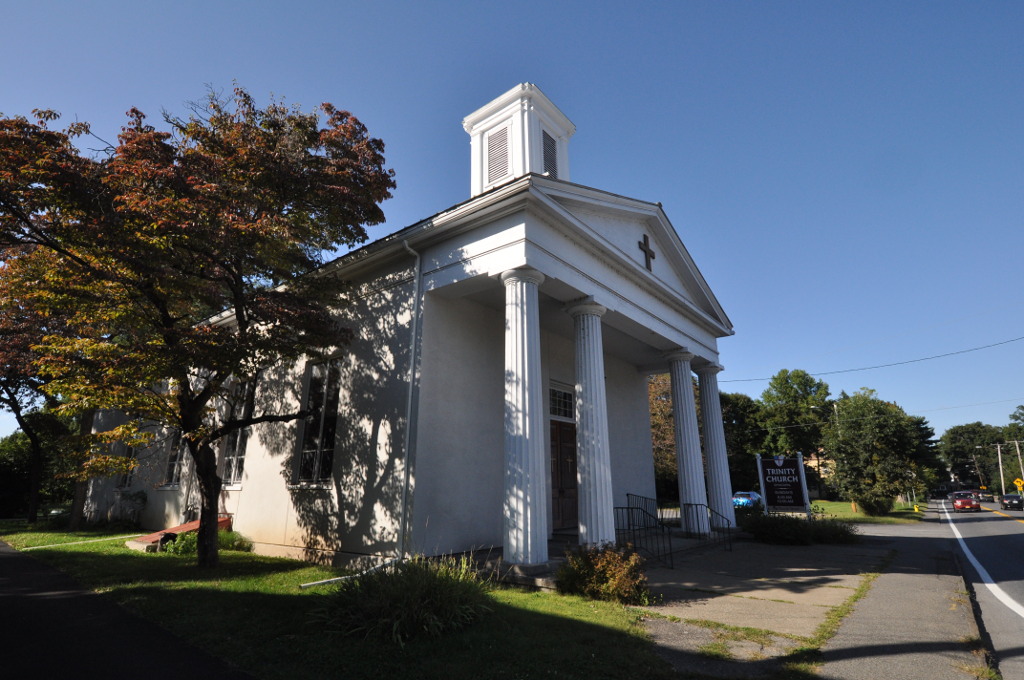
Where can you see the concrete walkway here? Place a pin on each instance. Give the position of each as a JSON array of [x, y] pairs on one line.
[[913, 622]]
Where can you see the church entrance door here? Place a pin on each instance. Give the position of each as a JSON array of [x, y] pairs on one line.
[[564, 503]]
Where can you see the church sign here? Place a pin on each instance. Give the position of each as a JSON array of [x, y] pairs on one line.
[[783, 484]]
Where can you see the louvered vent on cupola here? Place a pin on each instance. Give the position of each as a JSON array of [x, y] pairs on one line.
[[497, 155], [550, 156], [519, 133]]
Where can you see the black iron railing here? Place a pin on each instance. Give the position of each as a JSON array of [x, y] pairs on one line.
[[699, 521], [638, 525]]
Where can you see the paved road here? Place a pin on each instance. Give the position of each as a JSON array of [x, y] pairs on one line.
[[52, 628], [993, 544]]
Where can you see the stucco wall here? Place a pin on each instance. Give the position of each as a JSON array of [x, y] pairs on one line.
[[355, 514], [459, 487]]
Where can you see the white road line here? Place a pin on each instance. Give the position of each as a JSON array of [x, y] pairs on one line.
[[989, 582]]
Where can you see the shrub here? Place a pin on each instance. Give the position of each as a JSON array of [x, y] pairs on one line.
[[875, 506], [419, 596], [791, 530], [747, 514], [833, 531], [187, 544], [232, 540], [604, 572]]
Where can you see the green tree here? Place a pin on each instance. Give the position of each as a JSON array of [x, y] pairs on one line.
[[663, 443], [31, 455], [182, 259], [37, 470], [970, 455], [744, 438], [930, 468], [794, 407], [1013, 435], [873, 444]]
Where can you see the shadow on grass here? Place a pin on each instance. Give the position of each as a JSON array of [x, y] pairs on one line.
[[272, 636], [250, 612]]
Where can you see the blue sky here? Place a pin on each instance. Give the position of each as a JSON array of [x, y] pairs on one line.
[[849, 176]]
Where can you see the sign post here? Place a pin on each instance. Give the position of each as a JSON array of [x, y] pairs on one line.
[[783, 484]]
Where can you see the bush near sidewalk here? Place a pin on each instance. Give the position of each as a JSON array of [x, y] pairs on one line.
[[791, 530], [606, 572]]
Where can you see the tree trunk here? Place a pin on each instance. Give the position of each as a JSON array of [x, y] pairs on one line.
[[35, 477], [209, 491], [82, 487]]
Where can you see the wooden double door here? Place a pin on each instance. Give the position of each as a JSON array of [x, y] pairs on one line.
[[564, 492]]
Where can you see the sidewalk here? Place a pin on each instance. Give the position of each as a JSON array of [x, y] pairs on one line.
[[912, 623]]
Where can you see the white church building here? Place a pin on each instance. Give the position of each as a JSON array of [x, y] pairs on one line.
[[495, 389]]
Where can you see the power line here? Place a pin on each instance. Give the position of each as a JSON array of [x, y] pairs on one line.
[[898, 363]]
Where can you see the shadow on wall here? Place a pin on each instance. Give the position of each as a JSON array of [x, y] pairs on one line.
[[356, 511]]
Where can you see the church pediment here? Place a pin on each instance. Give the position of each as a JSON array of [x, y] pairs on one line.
[[638, 239]]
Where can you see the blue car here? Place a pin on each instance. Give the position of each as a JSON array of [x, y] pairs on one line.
[[746, 499]]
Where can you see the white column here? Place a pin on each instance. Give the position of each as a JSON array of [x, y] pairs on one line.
[[719, 482], [689, 460], [526, 463], [593, 456]]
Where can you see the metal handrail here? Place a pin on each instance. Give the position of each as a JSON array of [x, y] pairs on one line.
[[705, 523], [639, 528]]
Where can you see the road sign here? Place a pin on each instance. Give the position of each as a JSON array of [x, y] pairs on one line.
[[1019, 483]]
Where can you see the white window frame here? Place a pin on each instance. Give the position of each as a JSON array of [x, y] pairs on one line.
[[234, 448], [319, 430]]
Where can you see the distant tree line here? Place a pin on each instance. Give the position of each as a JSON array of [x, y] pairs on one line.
[[856, 447]]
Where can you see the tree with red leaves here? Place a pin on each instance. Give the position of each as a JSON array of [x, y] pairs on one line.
[[182, 261]]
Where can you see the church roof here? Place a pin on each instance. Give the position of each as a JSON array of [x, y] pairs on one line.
[[601, 221]]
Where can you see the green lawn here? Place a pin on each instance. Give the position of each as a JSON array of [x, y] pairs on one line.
[[902, 513], [251, 611]]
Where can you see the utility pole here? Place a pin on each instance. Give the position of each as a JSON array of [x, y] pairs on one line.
[[1017, 444], [1002, 482], [999, 455], [981, 480]]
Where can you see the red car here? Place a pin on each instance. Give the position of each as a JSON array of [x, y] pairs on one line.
[[965, 500]]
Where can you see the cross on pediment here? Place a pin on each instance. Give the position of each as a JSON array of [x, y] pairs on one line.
[[648, 252]]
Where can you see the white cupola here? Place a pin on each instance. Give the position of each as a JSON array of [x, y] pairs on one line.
[[518, 133]]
